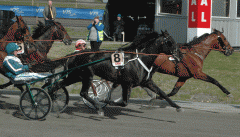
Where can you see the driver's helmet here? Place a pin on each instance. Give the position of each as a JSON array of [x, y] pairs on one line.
[[80, 41], [11, 47]]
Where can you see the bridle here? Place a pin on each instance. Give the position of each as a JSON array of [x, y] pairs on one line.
[[222, 44]]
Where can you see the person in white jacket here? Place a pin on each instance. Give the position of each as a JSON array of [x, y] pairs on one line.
[[14, 68]]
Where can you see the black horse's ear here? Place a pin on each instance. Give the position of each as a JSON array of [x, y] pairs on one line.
[[17, 18], [162, 31], [166, 32]]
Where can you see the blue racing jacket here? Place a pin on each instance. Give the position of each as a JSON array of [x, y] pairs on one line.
[[13, 66]]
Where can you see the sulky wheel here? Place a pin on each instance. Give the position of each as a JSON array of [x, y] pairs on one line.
[[36, 105], [102, 93], [60, 99]]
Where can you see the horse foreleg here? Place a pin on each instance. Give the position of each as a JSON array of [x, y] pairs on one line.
[[123, 101], [152, 86], [207, 78], [181, 81]]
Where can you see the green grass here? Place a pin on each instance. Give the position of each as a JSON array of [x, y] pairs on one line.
[[75, 34], [223, 69]]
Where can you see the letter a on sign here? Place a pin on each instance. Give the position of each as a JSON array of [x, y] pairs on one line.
[[194, 2], [204, 2]]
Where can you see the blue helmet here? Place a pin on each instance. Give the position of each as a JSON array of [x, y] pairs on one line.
[[11, 47], [119, 15]]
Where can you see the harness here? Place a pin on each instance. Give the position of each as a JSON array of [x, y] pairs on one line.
[[140, 61], [200, 56], [220, 42]]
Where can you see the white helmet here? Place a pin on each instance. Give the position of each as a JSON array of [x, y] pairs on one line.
[[80, 41]]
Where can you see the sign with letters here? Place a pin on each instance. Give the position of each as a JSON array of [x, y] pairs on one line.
[[199, 15], [34, 11]]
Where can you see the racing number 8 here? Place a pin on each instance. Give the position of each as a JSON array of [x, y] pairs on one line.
[[117, 58]]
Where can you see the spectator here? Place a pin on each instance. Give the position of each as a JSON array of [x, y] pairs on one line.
[[49, 13], [118, 28], [95, 34], [80, 45]]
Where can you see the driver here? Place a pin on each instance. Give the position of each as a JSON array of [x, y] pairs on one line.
[[15, 69], [80, 45]]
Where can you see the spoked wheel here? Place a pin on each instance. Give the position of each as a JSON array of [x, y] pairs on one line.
[[60, 100], [39, 107], [102, 93]]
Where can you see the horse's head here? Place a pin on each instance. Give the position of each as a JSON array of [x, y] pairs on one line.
[[61, 34], [223, 44], [168, 38], [160, 41], [24, 33]]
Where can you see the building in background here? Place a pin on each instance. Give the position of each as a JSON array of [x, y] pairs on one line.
[[174, 16]]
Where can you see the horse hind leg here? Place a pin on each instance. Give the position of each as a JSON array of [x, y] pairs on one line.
[[84, 93], [178, 85]]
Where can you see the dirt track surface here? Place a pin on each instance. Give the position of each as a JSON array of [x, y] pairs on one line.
[[137, 119]]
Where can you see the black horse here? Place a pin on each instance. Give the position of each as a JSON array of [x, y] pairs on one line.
[[44, 37], [133, 74]]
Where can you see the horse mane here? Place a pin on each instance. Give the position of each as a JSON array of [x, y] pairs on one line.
[[142, 41], [196, 40], [39, 30]]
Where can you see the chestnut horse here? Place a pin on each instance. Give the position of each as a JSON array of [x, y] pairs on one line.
[[193, 55], [17, 32]]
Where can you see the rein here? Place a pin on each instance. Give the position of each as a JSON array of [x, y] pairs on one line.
[[219, 41], [69, 71]]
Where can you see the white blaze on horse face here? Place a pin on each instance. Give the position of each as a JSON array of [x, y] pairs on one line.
[[194, 2], [204, 2]]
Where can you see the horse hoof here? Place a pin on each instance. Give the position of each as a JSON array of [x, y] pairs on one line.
[[179, 110], [230, 95]]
